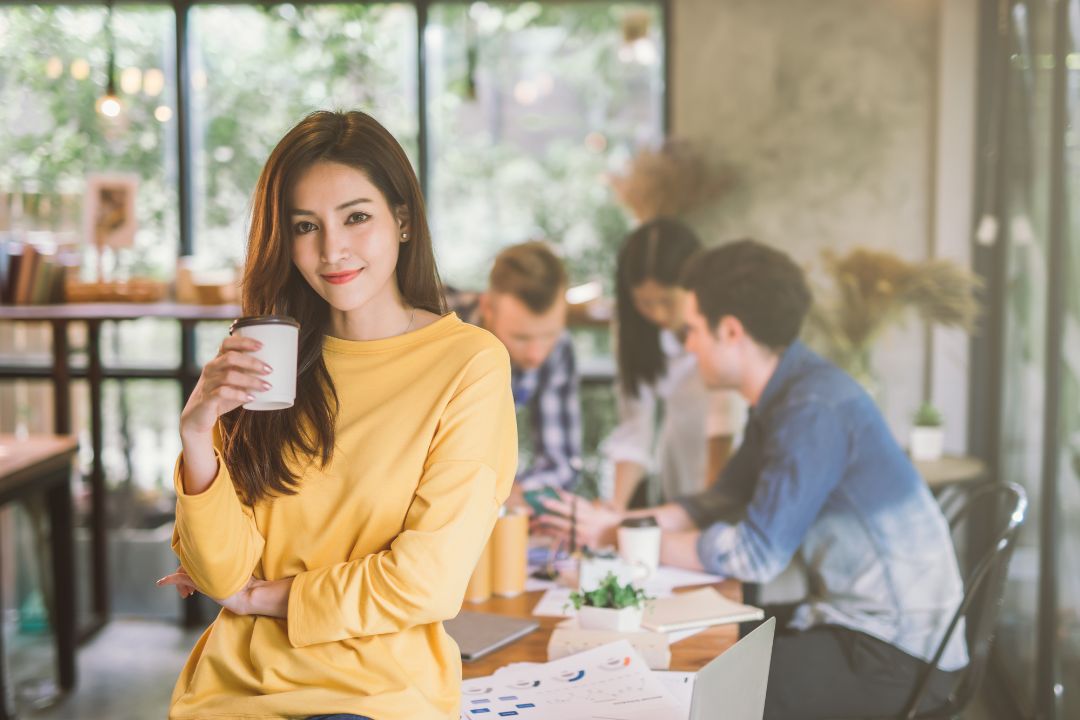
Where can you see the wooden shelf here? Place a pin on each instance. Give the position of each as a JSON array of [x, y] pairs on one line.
[[118, 311]]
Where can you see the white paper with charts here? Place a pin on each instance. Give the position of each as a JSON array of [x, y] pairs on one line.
[[608, 683]]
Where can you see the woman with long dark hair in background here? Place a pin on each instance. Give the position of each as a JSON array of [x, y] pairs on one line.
[[691, 443]]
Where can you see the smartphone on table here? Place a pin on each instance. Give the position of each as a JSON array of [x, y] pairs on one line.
[[533, 497]]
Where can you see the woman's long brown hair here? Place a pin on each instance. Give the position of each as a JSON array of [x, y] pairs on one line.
[[657, 251], [266, 452]]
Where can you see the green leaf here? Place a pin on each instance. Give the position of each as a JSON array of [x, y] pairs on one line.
[[610, 594]]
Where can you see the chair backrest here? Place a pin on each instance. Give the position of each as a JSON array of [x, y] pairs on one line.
[[984, 590]]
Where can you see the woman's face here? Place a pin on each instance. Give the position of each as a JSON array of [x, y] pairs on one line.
[[662, 305], [345, 237]]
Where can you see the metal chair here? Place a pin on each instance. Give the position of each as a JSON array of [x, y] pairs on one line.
[[983, 595]]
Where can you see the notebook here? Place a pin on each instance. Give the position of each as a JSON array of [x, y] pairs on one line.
[[694, 609], [478, 634]]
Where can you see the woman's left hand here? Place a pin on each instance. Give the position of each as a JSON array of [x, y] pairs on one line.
[[257, 597]]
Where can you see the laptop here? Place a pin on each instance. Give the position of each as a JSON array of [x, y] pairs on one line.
[[732, 686], [478, 634]]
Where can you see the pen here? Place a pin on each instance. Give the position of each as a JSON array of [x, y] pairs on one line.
[[573, 524]]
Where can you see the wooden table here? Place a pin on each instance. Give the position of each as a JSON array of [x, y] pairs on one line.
[[951, 471], [42, 465], [689, 654]]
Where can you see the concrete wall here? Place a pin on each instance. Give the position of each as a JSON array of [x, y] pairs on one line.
[[827, 114]]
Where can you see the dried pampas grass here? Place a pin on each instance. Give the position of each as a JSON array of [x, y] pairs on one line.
[[871, 290], [667, 182]]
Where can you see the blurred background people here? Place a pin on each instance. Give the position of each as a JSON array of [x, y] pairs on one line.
[[687, 447], [524, 306]]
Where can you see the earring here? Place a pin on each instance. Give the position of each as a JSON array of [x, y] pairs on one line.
[[404, 237]]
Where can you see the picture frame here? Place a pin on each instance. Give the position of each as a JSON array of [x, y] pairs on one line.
[[109, 210]]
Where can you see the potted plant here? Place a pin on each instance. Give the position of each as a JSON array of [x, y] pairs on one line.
[[928, 435], [611, 606]]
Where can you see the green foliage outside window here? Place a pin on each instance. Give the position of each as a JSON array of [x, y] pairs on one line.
[[531, 105], [53, 136], [250, 87]]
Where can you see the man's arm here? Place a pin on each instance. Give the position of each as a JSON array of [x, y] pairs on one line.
[[804, 459], [726, 499], [595, 523], [717, 453], [671, 517], [678, 543], [680, 549]]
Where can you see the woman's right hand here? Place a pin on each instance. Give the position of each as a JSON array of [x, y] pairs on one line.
[[589, 523], [226, 383]]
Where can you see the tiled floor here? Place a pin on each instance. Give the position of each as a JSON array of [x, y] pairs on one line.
[[127, 673]]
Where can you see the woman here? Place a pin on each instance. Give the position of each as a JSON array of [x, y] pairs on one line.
[[340, 533], [698, 427]]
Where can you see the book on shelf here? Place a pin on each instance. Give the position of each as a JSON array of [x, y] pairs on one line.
[[30, 274], [5, 260], [20, 294], [12, 261]]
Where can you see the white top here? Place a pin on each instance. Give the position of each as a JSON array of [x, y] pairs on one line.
[[691, 414]]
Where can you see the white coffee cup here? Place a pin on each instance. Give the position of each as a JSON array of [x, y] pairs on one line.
[[639, 543], [279, 336]]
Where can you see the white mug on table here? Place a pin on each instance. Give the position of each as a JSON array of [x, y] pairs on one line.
[[639, 543]]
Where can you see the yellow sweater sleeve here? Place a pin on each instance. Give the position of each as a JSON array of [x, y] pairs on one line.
[[421, 578], [215, 535]]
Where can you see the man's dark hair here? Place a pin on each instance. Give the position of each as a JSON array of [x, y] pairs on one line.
[[531, 272], [760, 286]]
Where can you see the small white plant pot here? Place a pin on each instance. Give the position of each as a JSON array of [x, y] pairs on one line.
[[927, 443], [626, 619]]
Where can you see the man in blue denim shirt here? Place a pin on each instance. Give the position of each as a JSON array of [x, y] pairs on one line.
[[818, 477]]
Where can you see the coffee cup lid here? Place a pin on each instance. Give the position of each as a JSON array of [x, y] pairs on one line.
[[262, 320], [639, 522]]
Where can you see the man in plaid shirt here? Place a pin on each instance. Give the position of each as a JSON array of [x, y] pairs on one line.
[[525, 308]]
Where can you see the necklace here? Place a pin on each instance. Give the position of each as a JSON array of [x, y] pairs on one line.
[[412, 316]]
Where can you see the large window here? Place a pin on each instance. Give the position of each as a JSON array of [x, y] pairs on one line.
[[1069, 479], [250, 86], [1025, 320], [530, 106], [53, 68], [1034, 267]]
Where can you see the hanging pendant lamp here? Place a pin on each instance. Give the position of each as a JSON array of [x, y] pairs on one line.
[[109, 104]]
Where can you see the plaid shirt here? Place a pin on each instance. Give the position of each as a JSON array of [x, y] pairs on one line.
[[550, 396]]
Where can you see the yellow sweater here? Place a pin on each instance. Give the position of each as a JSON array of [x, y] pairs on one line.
[[381, 542]]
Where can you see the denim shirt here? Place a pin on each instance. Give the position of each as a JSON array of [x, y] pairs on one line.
[[820, 474]]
